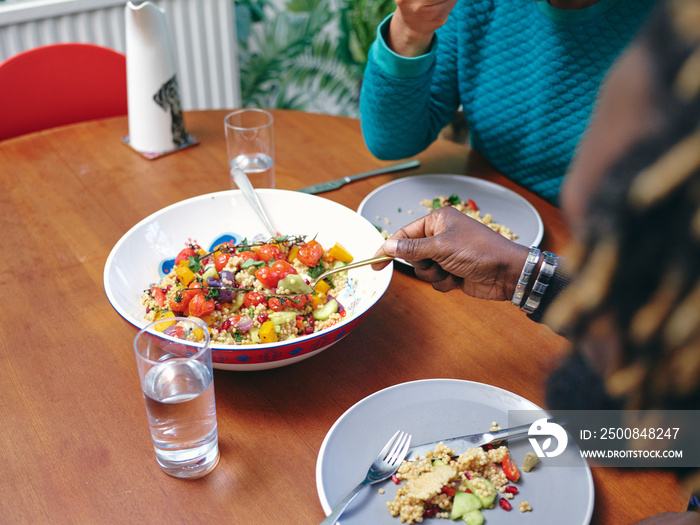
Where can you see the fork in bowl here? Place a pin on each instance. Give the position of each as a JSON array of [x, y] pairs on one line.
[[357, 264], [386, 464]]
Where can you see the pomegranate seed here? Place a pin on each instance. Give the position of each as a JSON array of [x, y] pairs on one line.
[[449, 490], [429, 512], [226, 325], [487, 446], [308, 330], [218, 306], [510, 489], [148, 309], [395, 479], [262, 318], [468, 476], [469, 491], [504, 504]]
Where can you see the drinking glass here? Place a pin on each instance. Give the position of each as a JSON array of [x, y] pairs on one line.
[[175, 366], [250, 144]]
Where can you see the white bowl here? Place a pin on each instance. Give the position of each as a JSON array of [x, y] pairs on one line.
[[141, 255]]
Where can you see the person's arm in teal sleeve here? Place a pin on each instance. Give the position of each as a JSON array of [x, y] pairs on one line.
[[401, 111]]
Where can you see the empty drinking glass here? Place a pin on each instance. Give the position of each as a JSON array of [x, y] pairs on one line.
[[250, 144]]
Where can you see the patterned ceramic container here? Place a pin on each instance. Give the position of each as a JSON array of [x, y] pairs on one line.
[[146, 251]]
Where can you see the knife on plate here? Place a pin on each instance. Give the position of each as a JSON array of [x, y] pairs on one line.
[[462, 443], [337, 183]]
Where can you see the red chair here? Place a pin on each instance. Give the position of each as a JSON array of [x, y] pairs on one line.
[[60, 84]]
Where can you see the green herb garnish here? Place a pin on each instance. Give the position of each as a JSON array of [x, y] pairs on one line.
[[252, 262], [194, 264], [316, 270]]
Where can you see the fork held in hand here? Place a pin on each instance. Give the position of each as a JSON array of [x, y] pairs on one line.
[[356, 264], [387, 462]]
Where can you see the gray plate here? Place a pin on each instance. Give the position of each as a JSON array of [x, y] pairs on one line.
[[397, 203], [430, 410]]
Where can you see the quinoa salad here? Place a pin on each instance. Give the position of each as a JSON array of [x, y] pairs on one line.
[[252, 292], [471, 209], [442, 485]]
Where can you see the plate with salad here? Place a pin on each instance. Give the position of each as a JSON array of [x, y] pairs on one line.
[[435, 409], [395, 204]]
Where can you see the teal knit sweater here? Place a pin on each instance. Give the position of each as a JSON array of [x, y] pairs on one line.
[[525, 73]]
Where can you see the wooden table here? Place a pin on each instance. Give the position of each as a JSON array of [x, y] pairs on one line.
[[74, 439]]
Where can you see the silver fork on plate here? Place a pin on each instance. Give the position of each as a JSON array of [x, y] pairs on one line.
[[387, 462]]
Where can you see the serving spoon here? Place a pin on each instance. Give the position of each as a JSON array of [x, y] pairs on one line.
[[243, 183]]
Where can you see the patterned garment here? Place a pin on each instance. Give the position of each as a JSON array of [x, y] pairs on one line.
[[525, 73]]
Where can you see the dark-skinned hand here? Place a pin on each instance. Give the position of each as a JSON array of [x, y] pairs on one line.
[[451, 250]]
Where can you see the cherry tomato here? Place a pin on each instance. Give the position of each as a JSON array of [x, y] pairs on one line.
[[158, 295], [231, 323], [275, 304], [266, 277], [175, 303], [510, 469], [282, 268], [200, 306], [299, 301], [184, 254], [227, 247], [182, 297], [269, 252], [221, 260], [310, 253], [270, 276], [282, 303], [249, 255], [253, 299], [175, 331]]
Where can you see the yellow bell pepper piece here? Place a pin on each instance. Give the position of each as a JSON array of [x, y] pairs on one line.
[[184, 274], [322, 287], [318, 300], [267, 332], [209, 319], [163, 314], [293, 251], [339, 253]]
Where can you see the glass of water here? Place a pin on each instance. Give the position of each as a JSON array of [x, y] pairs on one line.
[[250, 143], [174, 361]]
